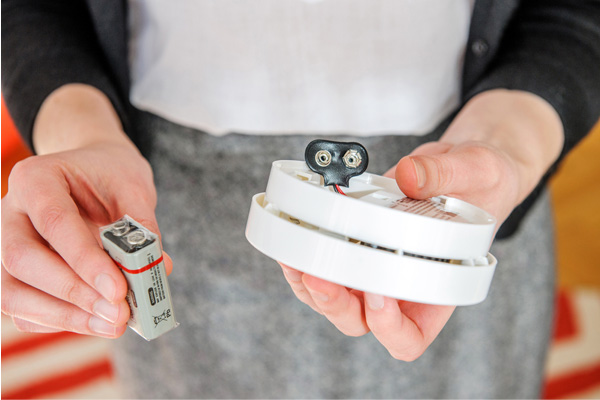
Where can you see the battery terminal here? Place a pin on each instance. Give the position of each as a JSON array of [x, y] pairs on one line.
[[352, 159], [136, 237]]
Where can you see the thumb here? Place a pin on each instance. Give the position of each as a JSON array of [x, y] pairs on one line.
[[462, 170]]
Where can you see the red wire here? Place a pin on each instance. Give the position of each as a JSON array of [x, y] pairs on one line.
[[339, 190]]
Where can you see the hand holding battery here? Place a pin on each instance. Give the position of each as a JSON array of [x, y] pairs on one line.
[[55, 274], [492, 156]]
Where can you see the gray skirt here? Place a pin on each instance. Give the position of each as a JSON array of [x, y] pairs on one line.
[[243, 333]]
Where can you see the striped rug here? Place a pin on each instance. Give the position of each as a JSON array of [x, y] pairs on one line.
[[71, 366]]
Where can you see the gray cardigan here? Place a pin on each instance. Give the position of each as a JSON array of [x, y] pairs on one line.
[[547, 47]]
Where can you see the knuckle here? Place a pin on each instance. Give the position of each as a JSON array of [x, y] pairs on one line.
[[24, 173], [82, 257], [71, 291], [484, 155], [482, 152], [66, 319], [488, 162], [303, 295], [87, 263], [375, 329], [52, 217], [21, 171], [13, 253], [335, 309]]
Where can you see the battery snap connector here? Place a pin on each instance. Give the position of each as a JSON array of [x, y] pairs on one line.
[[337, 162]]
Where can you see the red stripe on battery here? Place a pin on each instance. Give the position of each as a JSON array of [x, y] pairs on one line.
[[139, 271]]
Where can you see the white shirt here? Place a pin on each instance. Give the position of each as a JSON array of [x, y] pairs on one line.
[[291, 66]]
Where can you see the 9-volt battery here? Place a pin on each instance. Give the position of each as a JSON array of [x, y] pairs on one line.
[[138, 253]]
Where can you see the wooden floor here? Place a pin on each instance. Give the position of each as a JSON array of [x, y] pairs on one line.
[[66, 365], [576, 197]]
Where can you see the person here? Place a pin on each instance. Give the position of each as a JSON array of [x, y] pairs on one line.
[[488, 96]]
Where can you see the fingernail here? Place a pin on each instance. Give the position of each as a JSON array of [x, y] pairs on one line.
[[318, 295], [105, 285], [293, 275], [102, 327], [420, 169], [374, 301], [106, 310]]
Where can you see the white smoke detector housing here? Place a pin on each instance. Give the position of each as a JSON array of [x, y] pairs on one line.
[[375, 238]]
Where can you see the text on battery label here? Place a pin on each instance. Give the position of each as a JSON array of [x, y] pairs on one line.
[[162, 317], [157, 292], [427, 208]]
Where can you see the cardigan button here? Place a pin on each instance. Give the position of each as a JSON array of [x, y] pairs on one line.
[[480, 47]]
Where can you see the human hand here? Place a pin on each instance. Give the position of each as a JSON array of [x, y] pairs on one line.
[[55, 274], [492, 156]]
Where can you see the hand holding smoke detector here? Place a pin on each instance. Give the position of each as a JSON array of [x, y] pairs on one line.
[[374, 238]]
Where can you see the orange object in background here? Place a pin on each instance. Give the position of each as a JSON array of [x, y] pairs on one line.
[[10, 137], [13, 147]]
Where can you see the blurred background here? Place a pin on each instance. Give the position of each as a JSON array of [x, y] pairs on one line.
[[67, 365]]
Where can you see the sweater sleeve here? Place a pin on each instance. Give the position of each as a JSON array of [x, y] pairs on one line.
[[45, 45], [551, 48]]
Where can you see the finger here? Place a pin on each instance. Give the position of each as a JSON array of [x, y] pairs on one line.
[[432, 148], [341, 307], [26, 326], [27, 303], [468, 168], [405, 335], [26, 257], [294, 279], [428, 148], [56, 217], [429, 318], [168, 263]]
